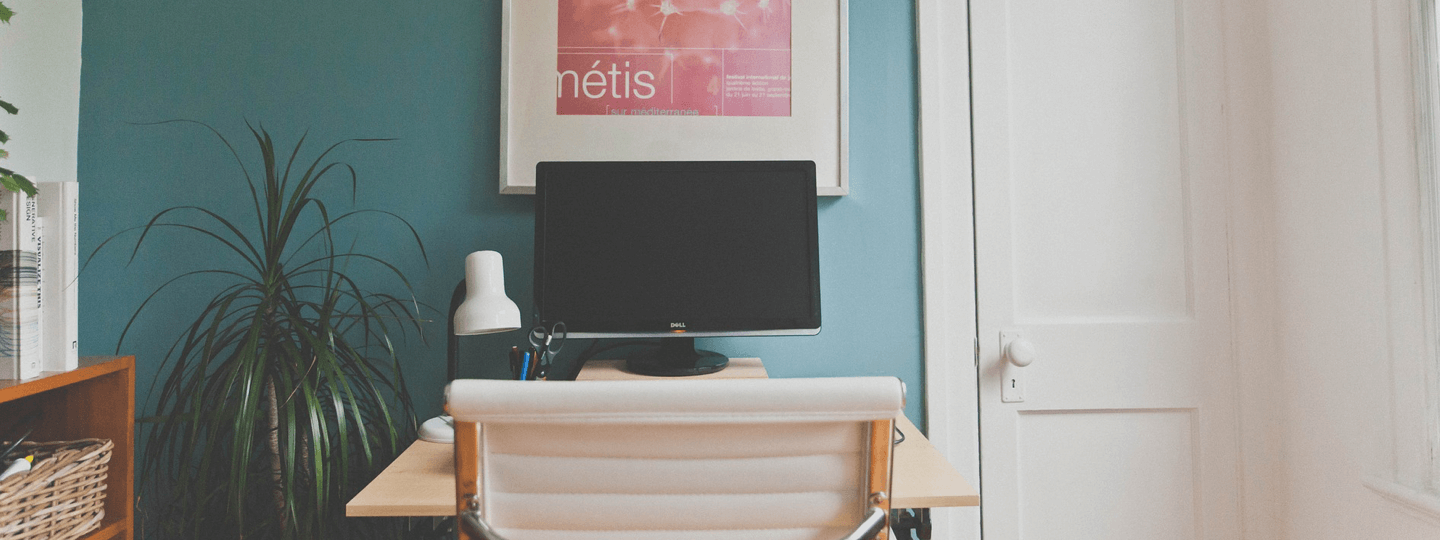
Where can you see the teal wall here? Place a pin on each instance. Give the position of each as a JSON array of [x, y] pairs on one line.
[[427, 73]]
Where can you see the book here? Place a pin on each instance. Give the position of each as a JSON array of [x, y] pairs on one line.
[[20, 341], [59, 264], [38, 317]]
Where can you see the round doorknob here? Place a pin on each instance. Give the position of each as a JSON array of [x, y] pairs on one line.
[[1020, 352]]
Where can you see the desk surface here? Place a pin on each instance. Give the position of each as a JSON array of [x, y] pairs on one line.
[[421, 482]]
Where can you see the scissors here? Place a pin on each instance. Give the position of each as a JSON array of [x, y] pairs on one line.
[[547, 343]]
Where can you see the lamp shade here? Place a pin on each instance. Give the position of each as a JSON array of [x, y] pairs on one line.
[[486, 309]]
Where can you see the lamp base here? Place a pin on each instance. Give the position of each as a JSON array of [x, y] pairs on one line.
[[440, 429]]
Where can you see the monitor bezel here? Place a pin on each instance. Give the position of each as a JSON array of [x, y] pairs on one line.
[[769, 327]]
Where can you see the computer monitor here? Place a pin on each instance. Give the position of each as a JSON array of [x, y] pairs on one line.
[[677, 250]]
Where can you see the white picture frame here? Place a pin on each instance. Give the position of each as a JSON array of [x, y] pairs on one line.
[[817, 128]]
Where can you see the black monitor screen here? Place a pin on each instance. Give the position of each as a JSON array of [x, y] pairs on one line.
[[707, 248]]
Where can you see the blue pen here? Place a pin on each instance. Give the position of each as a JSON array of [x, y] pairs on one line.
[[525, 365]]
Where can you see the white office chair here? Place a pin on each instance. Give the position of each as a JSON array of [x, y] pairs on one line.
[[753, 459]]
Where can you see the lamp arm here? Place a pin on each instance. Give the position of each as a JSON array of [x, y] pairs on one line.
[[452, 344]]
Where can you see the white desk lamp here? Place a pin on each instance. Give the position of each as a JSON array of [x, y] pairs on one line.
[[478, 306]]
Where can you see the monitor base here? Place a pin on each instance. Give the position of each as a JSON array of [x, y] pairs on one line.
[[677, 357]]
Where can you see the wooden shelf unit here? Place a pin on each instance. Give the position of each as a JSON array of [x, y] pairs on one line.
[[95, 401]]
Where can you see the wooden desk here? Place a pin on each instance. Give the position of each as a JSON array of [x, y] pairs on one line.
[[421, 482]]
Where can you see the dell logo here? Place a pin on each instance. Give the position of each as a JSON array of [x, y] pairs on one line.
[[677, 325]]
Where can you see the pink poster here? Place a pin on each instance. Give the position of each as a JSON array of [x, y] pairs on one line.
[[674, 58]]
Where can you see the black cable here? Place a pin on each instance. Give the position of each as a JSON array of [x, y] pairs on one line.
[[593, 349]]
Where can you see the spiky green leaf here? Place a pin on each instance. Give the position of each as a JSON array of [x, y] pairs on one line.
[[9, 108], [18, 182], [279, 340]]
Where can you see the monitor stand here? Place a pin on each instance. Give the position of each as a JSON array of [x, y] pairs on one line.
[[676, 357]]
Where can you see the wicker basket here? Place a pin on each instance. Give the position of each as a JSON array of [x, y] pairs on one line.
[[63, 495]]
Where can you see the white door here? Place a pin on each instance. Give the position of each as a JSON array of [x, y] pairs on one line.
[[1101, 241]]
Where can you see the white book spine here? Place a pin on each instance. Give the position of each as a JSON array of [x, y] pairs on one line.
[[20, 340], [59, 273], [33, 360], [70, 272]]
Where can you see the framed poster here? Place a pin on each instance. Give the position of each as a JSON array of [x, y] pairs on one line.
[[674, 80]]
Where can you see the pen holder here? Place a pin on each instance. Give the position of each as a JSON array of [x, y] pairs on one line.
[[62, 497], [530, 364]]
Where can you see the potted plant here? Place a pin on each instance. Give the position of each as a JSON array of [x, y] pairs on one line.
[[284, 395], [10, 180]]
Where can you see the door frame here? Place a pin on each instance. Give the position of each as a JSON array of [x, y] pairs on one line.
[[947, 253], [942, 37]]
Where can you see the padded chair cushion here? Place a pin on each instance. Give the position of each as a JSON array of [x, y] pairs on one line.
[[765, 459], [676, 401]]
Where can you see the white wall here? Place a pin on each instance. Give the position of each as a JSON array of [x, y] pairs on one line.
[[40, 74], [1342, 256]]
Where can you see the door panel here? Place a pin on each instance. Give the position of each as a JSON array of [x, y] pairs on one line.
[[1101, 239], [1095, 150], [1154, 448]]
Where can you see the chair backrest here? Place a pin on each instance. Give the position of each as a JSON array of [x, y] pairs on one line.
[[678, 459]]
